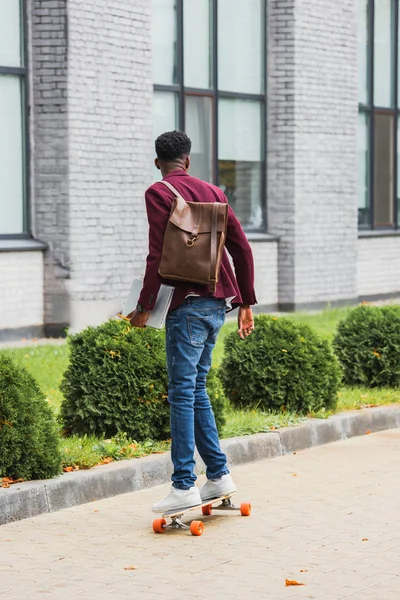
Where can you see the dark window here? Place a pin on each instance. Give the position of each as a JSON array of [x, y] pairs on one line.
[[378, 124], [13, 200], [210, 82]]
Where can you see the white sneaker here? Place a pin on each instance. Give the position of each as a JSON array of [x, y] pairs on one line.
[[178, 499], [215, 488]]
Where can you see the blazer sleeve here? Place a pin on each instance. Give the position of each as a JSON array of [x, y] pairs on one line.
[[239, 248], [158, 213]]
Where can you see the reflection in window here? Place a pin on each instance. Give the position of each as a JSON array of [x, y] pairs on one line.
[[240, 159], [165, 117], [363, 79], [384, 170], [165, 70], [197, 43], [199, 129], [11, 156], [363, 169], [241, 46], [207, 106], [12, 110], [384, 54], [10, 37]]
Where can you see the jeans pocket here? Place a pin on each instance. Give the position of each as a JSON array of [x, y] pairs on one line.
[[199, 328]]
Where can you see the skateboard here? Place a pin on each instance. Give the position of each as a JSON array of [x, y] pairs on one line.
[[197, 527]]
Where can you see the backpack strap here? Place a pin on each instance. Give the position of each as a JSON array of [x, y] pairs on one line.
[[172, 189]]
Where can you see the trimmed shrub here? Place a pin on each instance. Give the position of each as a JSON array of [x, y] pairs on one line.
[[29, 440], [367, 344], [117, 382], [282, 365]]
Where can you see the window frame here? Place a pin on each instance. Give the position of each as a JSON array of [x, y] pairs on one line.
[[22, 73], [216, 94], [371, 110]]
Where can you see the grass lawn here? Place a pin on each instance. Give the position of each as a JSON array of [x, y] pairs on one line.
[[47, 364]]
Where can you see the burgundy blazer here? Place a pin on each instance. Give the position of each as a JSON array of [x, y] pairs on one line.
[[158, 205]]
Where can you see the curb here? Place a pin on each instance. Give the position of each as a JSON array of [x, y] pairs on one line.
[[33, 498]]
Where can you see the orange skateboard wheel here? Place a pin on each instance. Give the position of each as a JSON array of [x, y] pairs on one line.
[[245, 509], [207, 510], [196, 528], [159, 526]]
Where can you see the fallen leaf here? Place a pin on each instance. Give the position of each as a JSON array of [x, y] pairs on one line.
[[96, 510], [365, 540], [68, 469], [371, 405], [106, 461], [7, 481], [294, 474], [304, 571], [133, 446], [289, 582], [272, 428], [129, 568], [368, 432]]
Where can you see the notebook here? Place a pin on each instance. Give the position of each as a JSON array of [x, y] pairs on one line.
[[159, 313]]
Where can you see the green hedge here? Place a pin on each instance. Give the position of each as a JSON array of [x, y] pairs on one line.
[[117, 382], [29, 440], [367, 344], [282, 365]]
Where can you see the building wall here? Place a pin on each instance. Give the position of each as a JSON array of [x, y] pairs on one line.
[[48, 99], [110, 95], [312, 149], [281, 140], [21, 293], [266, 264], [378, 266]]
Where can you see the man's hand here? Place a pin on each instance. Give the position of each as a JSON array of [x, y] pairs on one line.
[[245, 321], [139, 319]]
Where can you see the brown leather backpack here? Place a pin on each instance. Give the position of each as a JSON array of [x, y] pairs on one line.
[[194, 241]]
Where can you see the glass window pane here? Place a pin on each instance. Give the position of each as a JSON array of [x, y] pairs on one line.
[[384, 170], [11, 156], [384, 54], [363, 75], [10, 35], [165, 71], [240, 159], [363, 169], [165, 117], [241, 46], [199, 129], [197, 43]]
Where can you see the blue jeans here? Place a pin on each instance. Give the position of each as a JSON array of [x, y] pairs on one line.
[[192, 330]]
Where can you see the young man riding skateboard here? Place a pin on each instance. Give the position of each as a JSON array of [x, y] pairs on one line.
[[193, 322]]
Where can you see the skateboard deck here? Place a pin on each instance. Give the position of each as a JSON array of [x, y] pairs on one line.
[[197, 527], [182, 511]]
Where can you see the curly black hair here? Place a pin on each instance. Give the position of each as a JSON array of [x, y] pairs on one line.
[[173, 145]]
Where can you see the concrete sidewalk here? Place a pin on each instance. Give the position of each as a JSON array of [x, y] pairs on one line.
[[29, 499], [328, 517]]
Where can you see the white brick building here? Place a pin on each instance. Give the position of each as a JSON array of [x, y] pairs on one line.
[[292, 107]]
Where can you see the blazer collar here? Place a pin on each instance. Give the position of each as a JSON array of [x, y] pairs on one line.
[[176, 173]]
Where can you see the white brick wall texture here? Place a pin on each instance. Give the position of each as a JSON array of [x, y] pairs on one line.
[[110, 95], [378, 266], [266, 264], [47, 20], [312, 160], [21, 290]]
